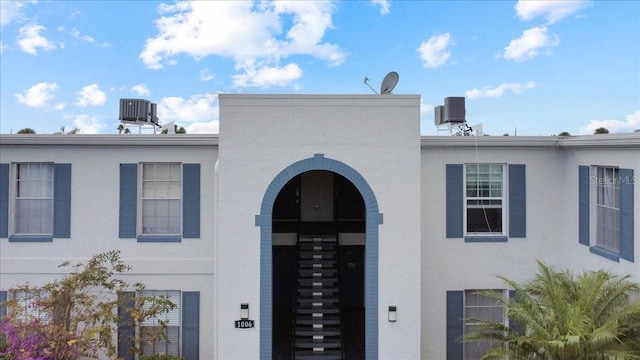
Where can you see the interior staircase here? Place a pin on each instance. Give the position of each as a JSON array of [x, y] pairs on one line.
[[317, 328]]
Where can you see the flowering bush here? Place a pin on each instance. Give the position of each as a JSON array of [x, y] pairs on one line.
[[74, 317], [35, 339]]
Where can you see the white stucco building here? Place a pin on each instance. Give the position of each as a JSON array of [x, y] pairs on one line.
[[328, 217]]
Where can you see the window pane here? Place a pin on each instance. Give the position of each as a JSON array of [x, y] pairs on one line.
[[484, 193], [170, 345], [34, 199], [484, 220], [161, 199], [480, 306], [608, 208]]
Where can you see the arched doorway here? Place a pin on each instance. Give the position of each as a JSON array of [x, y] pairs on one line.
[[321, 174]]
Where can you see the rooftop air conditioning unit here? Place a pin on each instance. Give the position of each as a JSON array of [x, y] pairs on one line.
[[454, 111], [137, 111], [438, 115]]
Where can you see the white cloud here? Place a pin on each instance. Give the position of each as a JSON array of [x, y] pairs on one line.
[[91, 95], [141, 90], [385, 7], [212, 127], [197, 108], [206, 75], [76, 34], [632, 123], [87, 124], [255, 35], [425, 109], [38, 95], [435, 51], [11, 11], [499, 90], [552, 10], [266, 76], [530, 43], [59, 106], [30, 40]]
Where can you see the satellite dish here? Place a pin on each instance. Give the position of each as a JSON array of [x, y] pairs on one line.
[[389, 83]]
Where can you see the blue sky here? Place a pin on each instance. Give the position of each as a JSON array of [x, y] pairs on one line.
[[525, 67]]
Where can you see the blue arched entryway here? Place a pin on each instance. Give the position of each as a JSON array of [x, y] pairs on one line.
[[373, 219]]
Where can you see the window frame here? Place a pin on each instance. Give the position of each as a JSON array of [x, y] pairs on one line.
[[176, 297], [60, 195], [486, 236], [466, 318], [587, 212], [595, 242], [16, 198], [158, 237], [602, 184]]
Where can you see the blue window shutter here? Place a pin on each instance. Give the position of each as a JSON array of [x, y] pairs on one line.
[[62, 201], [4, 200], [517, 201], [191, 325], [583, 205], [455, 324], [128, 200], [191, 200], [3, 309], [126, 332], [626, 214], [514, 325], [455, 206]]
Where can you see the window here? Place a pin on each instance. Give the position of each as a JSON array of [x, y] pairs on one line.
[[170, 344], [161, 197], [484, 195], [605, 211], [486, 202], [28, 305], [35, 201], [183, 329], [463, 306], [480, 306], [160, 205], [608, 208]]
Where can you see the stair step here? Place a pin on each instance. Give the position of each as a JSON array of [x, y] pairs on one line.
[[326, 343], [317, 263], [316, 292], [315, 282], [311, 301], [324, 355], [317, 239], [317, 332], [317, 311], [317, 321], [323, 246], [317, 272], [317, 255]]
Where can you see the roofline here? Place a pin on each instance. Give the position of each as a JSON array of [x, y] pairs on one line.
[[616, 141], [72, 140]]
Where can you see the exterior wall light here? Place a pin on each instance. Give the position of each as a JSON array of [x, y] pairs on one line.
[[393, 313], [244, 311]]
